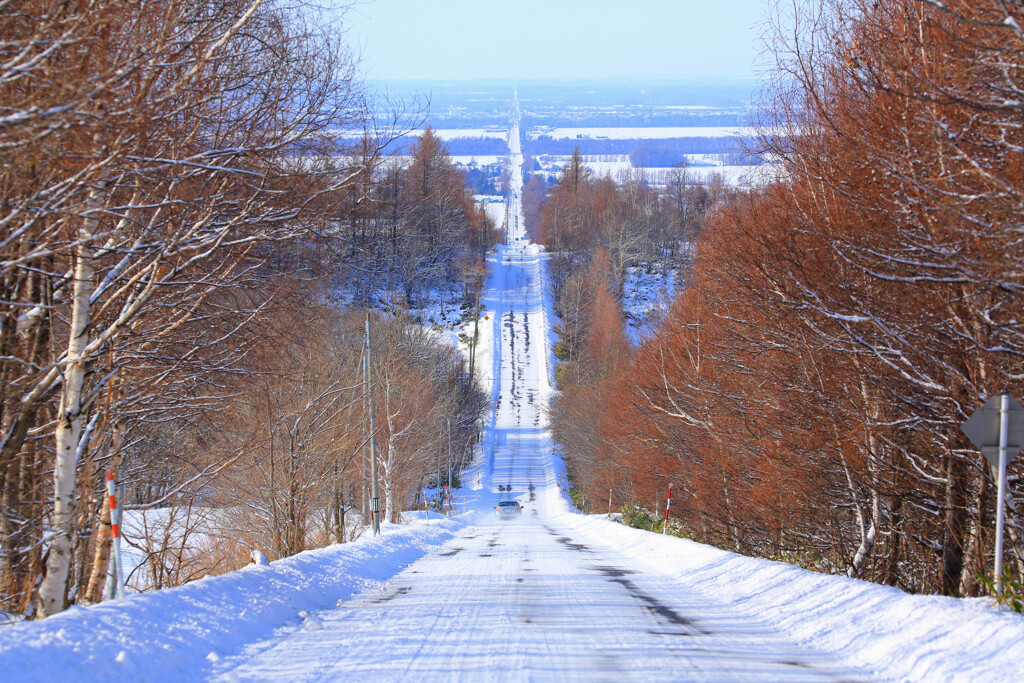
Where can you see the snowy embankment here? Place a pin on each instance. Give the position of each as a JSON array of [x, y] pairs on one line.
[[180, 633], [902, 637], [646, 296]]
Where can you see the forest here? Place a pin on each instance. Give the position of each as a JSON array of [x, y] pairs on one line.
[[804, 392], [187, 263]]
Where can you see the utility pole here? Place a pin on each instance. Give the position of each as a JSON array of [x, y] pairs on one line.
[[449, 460], [476, 332], [439, 489], [368, 398]]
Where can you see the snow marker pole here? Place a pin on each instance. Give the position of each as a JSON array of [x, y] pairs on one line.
[[115, 532], [609, 503], [668, 504]]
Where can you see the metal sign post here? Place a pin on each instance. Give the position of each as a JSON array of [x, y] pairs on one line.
[[997, 429], [1004, 428]]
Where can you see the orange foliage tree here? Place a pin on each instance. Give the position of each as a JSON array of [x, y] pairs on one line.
[[805, 393]]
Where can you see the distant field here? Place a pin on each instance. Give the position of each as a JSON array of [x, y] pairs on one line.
[[570, 103], [645, 133], [732, 175], [495, 206], [617, 126]]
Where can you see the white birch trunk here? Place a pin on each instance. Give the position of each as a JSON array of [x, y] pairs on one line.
[[69, 423], [867, 536], [389, 479], [390, 462], [867, 541]]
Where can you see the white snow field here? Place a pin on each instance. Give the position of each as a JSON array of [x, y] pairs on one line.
[[555, 596], [646, 133]]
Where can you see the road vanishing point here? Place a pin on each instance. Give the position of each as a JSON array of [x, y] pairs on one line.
[[528, 601]]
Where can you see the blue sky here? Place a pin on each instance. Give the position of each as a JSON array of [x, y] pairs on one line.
[[522, 39]]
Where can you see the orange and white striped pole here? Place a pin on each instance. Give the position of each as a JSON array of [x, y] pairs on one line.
[[117, 572], [668, 505]]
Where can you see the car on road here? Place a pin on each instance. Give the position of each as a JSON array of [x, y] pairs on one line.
[[508, 508]]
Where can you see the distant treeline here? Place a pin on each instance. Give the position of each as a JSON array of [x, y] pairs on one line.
[[648, 152], [577, 117], [477, 146], [658, 156], [456, 147]]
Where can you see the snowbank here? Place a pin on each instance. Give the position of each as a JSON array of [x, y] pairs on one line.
[[902, 637], [180, 633]]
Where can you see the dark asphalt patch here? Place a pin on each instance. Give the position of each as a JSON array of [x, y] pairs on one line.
[[401, 590], [568, 543], [614, 571], [658, 608]]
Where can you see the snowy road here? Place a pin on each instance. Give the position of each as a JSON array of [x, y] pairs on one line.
[[555, 596], [527, 600]]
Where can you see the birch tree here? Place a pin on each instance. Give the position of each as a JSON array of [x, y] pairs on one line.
[[171, 139]]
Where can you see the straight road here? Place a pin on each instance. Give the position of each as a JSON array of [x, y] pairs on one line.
[[525, 600]]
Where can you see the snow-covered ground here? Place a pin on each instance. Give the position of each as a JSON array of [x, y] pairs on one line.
[[478, 159], [183, 634], [739, 176], [494, 206], [701, 168], [650, 133], [601, 166], [645, 298], [880, 632], [553, 596]]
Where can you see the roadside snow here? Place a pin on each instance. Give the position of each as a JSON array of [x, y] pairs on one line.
[[904, 637], [181, 633]]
